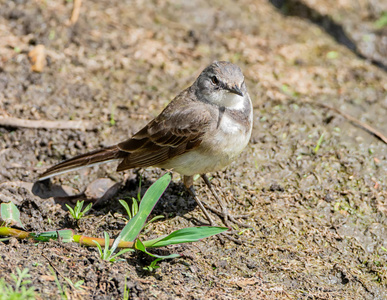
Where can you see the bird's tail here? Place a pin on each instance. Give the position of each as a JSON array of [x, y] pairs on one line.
[[85, 160]]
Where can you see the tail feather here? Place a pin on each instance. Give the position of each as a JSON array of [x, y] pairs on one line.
[[84, 160]]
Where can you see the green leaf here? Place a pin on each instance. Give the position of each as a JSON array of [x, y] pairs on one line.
[[116, 242], [140, 246], [121, 252], [153, 266], [126, 206], [66, 235], [173, 255], [134, 207], [382, 21], [155, 219], [135, 225], [77, 212], [139, 190], [71, 210], [100, 251], [10, 214], [106, 251], [88, 207], [185, 235], [319, 142]]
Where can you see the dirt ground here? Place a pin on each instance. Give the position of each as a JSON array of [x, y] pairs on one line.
[[319, 218]]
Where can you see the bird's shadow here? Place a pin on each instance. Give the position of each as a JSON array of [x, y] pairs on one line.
[[175, 201], [61, 194], [66, 195]]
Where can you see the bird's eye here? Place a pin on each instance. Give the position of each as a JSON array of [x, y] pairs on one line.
[[214, 80]]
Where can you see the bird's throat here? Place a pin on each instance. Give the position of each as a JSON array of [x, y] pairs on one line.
[[228, 100]]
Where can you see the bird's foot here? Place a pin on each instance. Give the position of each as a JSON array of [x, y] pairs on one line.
[[227, 217], [223, 213]]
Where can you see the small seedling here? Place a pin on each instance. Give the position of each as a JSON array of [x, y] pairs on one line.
[[128, 239], [77, 212], [62, 290], [126, 290], [106, 253], [382, 21], [19, 291], [153, 266], [319, 142], [131, 212], [77, 285]]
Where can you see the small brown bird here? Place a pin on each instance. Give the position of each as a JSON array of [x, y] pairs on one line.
[[202, 130]]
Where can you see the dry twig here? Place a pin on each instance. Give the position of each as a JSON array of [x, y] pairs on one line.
[[75, 12], [351, 119], [6, 121], [355, 121]]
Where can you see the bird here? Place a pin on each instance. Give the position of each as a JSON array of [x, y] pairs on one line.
[[202, 130]]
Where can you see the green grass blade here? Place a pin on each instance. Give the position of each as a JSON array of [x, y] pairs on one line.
[[135, 225], [139, 190], [10, 214], [78, 207], [185, 235], [88, 207], [319, 142], [114, 257], [72, 213], [65, 235], [100, 251], [106, 253], [140, 246], [126, 206], [134, 206], [173, 255], [155, 219]]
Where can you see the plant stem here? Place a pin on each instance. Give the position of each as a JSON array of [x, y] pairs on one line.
[[88, 241], [7, 231]]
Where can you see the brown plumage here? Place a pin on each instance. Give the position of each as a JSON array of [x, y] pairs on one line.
[[172, 133], [202, 130]]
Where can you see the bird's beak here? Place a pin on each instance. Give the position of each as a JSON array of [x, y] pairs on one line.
[[236, 90]]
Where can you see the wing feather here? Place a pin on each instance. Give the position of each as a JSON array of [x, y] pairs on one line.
[[178, 129]]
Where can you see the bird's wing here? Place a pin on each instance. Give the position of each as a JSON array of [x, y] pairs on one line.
[[178, 129]]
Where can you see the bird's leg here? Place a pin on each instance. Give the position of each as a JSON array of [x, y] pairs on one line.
[[188, 183], [224, 213]]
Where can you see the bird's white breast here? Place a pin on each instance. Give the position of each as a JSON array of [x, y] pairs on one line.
[[218, 149], [227, 99], [231, 138]]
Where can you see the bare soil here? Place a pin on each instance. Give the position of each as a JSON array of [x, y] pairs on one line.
[[319, 218]]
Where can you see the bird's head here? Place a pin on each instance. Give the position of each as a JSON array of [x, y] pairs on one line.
[[223, 84]]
